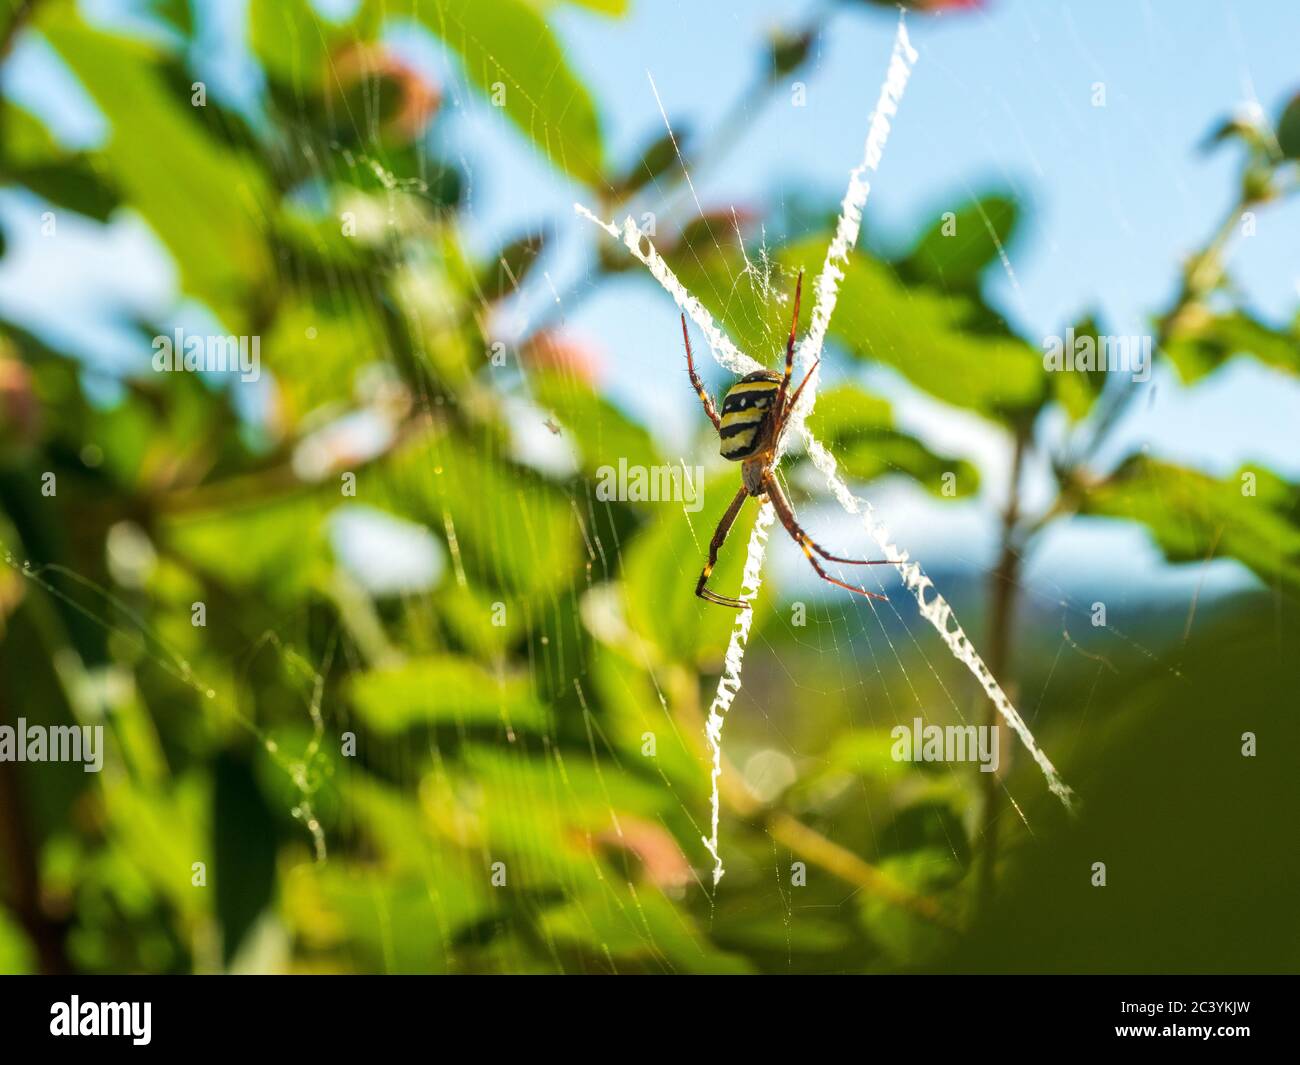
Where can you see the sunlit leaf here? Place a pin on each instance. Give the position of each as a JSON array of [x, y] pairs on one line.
[[17, 956], [1288, 130], [1204, 343], [512, 530], [626, 691], [643, 929], [176, 15], [923, 334], [504, 273], [960, 244], [655, 158], [76, 181], [73, 184], [443, 689], [291, 42], [1077, 389], [316, 355], [195, 195], [753, 308], [605, 7], [381, 922], [859, 430], [164, 834], [509, 52], [663, 563], [604, 435], [1253, 517], [547, 810], [27, 140], [273, 545]]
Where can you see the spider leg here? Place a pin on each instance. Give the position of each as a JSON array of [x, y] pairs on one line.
[[705, 398], [789, 351], [794, 400], [786, 513], [720, 535]]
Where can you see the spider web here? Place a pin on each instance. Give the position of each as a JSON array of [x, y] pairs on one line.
[[935, 609], [604, 554]]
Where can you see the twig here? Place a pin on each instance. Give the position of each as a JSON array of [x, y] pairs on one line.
[[1002, 591]]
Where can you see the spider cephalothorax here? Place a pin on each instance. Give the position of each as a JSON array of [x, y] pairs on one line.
[[755, 413]]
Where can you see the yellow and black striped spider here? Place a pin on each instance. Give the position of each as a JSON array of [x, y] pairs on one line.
[[755, 412]]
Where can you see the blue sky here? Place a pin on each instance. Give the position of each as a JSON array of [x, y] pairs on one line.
[[1115, 196]]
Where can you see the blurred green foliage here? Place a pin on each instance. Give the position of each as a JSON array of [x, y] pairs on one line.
[[503, 767]]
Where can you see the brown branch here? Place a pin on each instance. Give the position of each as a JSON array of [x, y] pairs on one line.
[[810, 844]]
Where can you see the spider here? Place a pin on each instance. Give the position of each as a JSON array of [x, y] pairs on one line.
[[755, 412]]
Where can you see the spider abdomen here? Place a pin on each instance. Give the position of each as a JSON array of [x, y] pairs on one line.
[[747, 414]]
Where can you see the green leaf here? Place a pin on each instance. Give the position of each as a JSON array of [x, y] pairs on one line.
[[1288, 129], [563, 791], [504, 274], [925, 335], [205, 204], [801, 932], [385, 923], [657, 157], [506, 47], [604, 7], [859, 430], [443, 690], [754, 312], [1253, 517], [316, 352], [17, 955], [641, 927], [73, 180], [513, 530], [908, 939], [626, 690], [548, 811], [27, 140], [867, 753], [162, 834], [604, 435], [467, 612], [788, 52], [176, 15], [663, 563], [73, 184], [291, 42], [1202, 346], [958, 246], [273, 546], [1076, 389]]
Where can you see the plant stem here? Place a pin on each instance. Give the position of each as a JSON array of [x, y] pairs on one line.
[[812, 845], [1003, 585]]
